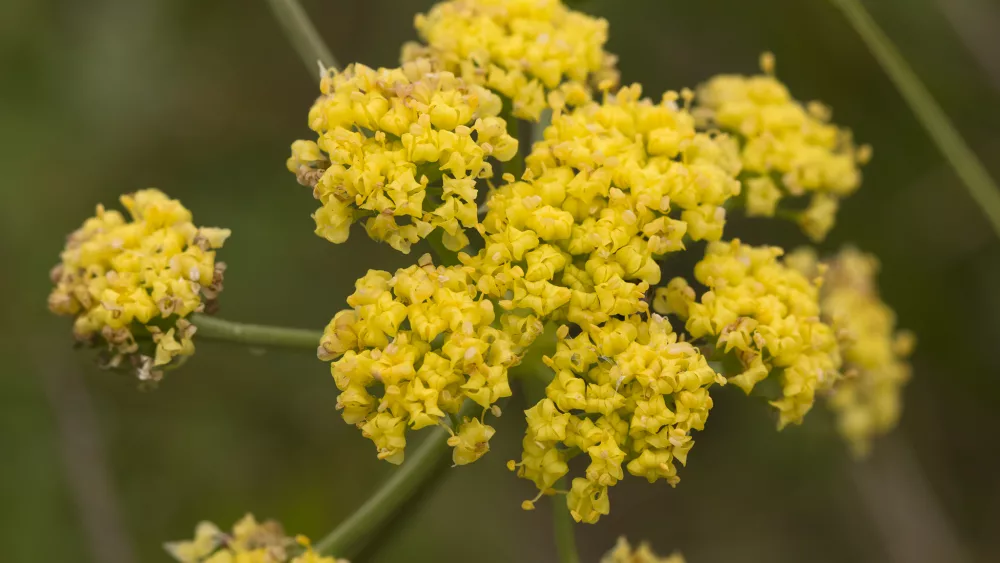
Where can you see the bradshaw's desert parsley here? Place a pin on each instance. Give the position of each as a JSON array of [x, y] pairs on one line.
[[577, 244], [248, 542], [867, 401], [401, 149], [524, 50], [129, 282], [788, 149]]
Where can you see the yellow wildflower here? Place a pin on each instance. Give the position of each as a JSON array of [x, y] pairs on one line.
[[787, 141], [765, 314], [628, 395], [867, 400], [612, 187], [132, 283], [522, 49], [623, 553], [402, 148], [249, 542], [425, 337]]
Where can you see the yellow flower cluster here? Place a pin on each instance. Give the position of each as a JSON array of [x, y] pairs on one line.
[[867, 400], [612, 187], [623, 553], [522, 49], [577, 240], [249, 542], [136, 280], [765, 315], [424, 338], [788, 149], [402, 147], [627, 393]]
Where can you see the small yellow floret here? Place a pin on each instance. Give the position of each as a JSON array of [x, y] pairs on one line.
[[623, 553]]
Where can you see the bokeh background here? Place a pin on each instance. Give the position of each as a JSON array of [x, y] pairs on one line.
[[202, 100]]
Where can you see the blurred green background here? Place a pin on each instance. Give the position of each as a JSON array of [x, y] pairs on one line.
[[202, 100]]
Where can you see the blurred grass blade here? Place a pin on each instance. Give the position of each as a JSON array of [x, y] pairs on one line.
[[944, 134], [303, 35]]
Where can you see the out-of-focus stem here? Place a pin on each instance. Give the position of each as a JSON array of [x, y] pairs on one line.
[[944, 134], [213, 328], [303, 36], [351, 536], [562, 524]]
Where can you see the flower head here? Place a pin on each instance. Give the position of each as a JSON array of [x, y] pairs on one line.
[[868, 399], [425, 339], [522, 49], [628, 395], [788, 149], [624, 553], [612, 187], [764, 314], [401, 148], [248, 542], [131, 280]]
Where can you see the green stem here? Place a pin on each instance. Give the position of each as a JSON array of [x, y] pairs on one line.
[[563, 528], [303, 35], [347, 539], [213, 328], [928, 112]]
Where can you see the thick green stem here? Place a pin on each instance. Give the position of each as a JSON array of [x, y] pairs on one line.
[[347, 539], [213, 328], [562, 524], [928, 112], [303, 36]]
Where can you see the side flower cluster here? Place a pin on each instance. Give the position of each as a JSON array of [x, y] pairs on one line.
[[764, 314], [132, 282], [401, 148], [624, 553], [248, 542], [521, 49], [415, 346], [612, 187], [868, 400], [625, 394], [788, 149]]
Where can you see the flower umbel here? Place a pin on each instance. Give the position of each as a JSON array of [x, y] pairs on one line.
[[867, 400], [248, 542], [521, 49], [425, 339], [132, 283], [403, 149], [624, 553], [788, 149], [765, 315], [627, 393]]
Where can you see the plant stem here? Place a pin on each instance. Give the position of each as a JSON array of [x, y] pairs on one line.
[[944, 134], [347, 539], [213, 328], [562, 523], [303, 35]]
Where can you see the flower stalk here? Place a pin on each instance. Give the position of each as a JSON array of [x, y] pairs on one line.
[[212, 328], [563, 527], [942, 131], [351, 536], [303, 35]]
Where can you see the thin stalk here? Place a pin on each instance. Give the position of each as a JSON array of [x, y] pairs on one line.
[[213, 328], [562, 524], [930, 115], [302, 34], [351, 536]]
